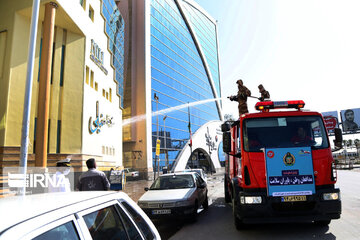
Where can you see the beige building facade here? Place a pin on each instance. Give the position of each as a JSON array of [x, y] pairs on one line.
[[85, 105]]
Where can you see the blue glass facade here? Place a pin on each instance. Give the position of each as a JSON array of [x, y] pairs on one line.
[[178, 75], [205, 31], [115, 31]]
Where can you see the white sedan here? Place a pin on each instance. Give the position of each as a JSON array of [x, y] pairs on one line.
[[175, 195], [74, 215]]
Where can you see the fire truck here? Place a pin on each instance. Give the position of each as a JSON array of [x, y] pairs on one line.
[[279, 166]]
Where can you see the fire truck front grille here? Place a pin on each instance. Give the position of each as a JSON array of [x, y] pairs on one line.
[[293, 206]]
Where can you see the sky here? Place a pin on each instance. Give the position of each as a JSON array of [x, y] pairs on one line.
[[298, 49]]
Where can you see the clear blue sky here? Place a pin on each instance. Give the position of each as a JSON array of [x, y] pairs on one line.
[[298, 49]]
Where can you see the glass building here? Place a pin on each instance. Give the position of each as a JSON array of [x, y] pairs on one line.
[[115, 31], [181, 75]]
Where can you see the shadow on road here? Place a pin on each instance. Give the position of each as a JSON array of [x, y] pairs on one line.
[[217, 223]]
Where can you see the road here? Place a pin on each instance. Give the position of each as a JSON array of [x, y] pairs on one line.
[[217, 221]]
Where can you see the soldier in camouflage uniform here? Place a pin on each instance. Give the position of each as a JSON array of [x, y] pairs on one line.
[[264, 93], [241, 97]]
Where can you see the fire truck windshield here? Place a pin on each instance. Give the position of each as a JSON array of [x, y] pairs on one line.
[[283, 132]]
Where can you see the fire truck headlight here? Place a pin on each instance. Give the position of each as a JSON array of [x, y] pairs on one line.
[[250, 200], [331, 196]]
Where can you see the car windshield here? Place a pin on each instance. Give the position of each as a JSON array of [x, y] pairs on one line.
[[284, 132], [173, 182]]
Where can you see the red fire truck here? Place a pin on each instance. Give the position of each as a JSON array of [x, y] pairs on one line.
[[279, 166]]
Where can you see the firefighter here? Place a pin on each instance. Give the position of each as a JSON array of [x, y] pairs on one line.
[[264, 94], [241, 97]]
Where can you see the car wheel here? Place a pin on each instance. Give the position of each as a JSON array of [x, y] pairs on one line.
[[193, 216], [206, 203]]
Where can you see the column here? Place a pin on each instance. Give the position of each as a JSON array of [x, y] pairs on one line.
[[44, 86]]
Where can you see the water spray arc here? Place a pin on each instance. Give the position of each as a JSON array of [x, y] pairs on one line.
[[168, 110]]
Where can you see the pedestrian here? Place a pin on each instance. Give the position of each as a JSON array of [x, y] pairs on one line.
[[264, 94], [93, 179], [241, 97], [60, 182]]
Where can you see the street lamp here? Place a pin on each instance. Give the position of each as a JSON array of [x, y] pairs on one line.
[[157, 133], [165, 150]]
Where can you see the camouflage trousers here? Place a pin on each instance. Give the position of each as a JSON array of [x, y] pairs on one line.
[[242, 108]]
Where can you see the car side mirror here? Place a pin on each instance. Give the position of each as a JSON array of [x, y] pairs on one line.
[[202, 185], [146, 189]]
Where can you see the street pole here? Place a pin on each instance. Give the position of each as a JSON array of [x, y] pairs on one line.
[[28, 90], [165, 150], [157, 134]]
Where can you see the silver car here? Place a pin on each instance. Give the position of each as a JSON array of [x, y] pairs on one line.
[[175, 195]]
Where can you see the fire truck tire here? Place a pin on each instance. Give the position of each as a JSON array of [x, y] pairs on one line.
[[322, 223], [239, 225], [226, 190]]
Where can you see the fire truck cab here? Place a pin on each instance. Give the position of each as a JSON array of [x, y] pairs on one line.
[[279, 166]]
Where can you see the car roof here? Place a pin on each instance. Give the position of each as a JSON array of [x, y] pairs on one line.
[[21, 208], [177, 173]]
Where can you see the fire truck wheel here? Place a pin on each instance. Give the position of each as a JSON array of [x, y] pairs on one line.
[[239, 225], [227, 194], [322, 223]]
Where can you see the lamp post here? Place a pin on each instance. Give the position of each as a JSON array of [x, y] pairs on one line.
[[165, 150], [157, 133]]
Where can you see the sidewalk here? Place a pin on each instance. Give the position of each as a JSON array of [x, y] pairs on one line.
[[135, 189]]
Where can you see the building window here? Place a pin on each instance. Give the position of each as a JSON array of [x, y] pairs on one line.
[[103, 92], [62, 61], [62, 65], [39, 59], [96, 86], [52, 62], [91, 13], [107, 95], [91, 79], [110, 95], [3, 36], [87, 75], [58, 136], [34, 142], [83, 3]]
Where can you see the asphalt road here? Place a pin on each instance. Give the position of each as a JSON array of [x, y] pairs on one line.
[[217, 221]]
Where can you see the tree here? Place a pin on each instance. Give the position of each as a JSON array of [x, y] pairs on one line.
[[357, 143], [229, 117]]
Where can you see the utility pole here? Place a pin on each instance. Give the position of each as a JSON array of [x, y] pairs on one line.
[[165, 150], [190, 133], [28, 90], [157, 134]]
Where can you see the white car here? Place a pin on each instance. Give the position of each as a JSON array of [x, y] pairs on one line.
[[129, 172], [199, 171], [175, 195], [74, 215]]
